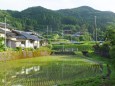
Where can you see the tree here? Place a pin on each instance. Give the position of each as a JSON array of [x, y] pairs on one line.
[[55, 36], [110, 35]]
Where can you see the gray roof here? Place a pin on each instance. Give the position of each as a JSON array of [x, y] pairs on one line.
[[26, 35], [3, 31], [11, 34], [20, 35], [3, 25]]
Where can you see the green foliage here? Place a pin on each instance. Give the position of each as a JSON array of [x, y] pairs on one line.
[[81, 38], [88, 82], [28, 49], [76, 47], [110, 37], [18, 49], [44, 50], [107, 48], [112, 52], [49, 46], [112, 55], [38, 18], [110, 34], [1, 44], [55, 36], [69, 20], [103, 49]]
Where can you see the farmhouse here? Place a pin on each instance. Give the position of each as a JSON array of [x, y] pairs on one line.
[[16, 38]]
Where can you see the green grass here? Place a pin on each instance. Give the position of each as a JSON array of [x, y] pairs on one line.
[[53, 69]]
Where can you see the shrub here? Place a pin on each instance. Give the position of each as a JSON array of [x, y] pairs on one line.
[[28, 49], [79, 47], [112, 52], [18, 49], [49, 46], [42, 51], [19, 54], [1, 44], [102, 50], [85, 53]]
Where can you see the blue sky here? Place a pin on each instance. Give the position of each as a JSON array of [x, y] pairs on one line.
[[104, 5]]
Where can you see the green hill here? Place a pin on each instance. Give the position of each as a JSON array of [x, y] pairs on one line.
[[85, 15], [39, 18]]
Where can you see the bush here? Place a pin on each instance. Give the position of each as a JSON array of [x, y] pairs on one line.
[[1, 44], [102, 50], [19, 54], [28, 49], [18, 49], [112, 52], [49, 46], [85, 53], [79, 47], [42, 51]]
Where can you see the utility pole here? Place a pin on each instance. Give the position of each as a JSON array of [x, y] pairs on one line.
[[47, 32], [5, 32], [95, 29], [62, 34], [51, 30], [63, 38]]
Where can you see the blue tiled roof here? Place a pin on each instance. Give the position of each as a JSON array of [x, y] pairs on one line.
[[27, 36]]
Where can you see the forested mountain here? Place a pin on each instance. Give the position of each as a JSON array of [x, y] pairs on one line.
[[85, 15], [39, 18]]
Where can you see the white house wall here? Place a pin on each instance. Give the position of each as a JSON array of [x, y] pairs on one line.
[[2, 35], [18, 44], [37, 44], [14, 44], [29, 44]]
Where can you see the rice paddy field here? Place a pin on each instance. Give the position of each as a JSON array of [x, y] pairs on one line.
[[47, 70]]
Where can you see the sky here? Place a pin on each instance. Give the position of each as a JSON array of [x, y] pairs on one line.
[[19, 5]]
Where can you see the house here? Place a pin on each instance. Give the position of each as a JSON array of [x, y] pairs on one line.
[[3, 31], [77, 34], [16, 38]]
